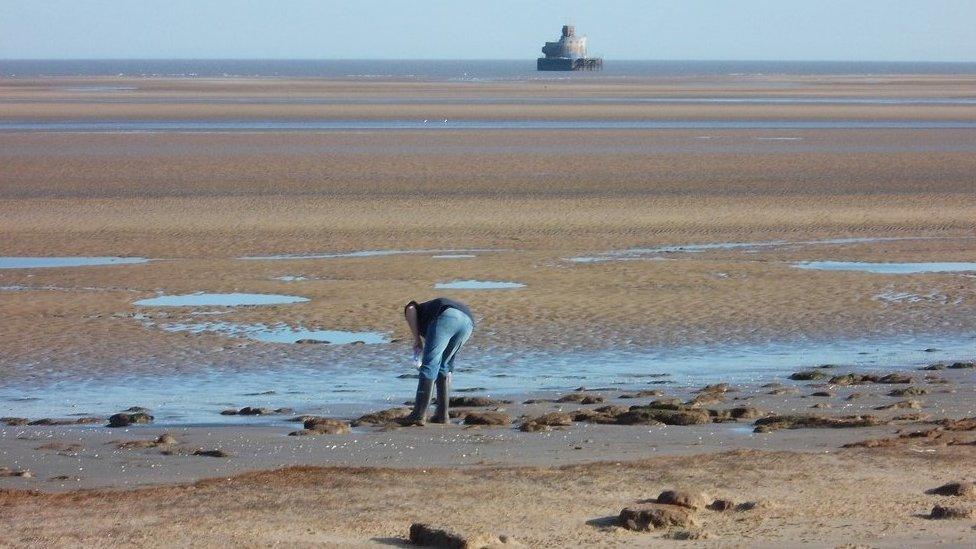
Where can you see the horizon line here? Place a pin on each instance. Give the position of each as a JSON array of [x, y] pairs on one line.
[[481, 59]]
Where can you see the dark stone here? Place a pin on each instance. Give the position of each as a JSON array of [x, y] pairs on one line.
[[309, 341], [962, 365], [934, 367], [944, 512], [14, 421], [211, 453], [124, 419], [428, 536], [964, 489], [825, 394], [546, 421]]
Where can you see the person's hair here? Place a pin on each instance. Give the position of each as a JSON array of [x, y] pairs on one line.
[[412, 303]]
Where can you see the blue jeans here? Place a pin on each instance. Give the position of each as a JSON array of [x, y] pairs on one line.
[[444, 337]]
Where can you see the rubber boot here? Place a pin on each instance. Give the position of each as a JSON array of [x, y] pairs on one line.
[[443, 400], [420, 404]]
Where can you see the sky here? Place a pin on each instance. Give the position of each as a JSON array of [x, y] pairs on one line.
[[865, 30]]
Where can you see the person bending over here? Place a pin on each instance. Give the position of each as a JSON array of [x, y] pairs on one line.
[[439, 327]]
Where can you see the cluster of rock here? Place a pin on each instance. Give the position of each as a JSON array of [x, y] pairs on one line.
[[676, 509], [314, 425], [45, 422], [959, 489], [164, 439]]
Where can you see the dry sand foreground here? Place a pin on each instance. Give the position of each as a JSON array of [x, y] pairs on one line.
[[196, 202]]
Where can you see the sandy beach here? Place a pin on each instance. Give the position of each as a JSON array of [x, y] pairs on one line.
[[643, 264]]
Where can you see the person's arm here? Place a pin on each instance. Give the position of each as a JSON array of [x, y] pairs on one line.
[[411, 315]]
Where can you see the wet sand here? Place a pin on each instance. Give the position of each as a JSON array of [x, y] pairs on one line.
[[526, 202]]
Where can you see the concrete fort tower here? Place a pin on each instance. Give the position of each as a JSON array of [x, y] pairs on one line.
[[568, 54]]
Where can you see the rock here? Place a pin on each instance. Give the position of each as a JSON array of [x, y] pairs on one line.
[[808, 375], [211, 453], [688, 535], [722, 505], [301, 419], [474, 402], [776, 422], [165, 439], [546, 421], [654, 516], [605, 417], [302, 433], [901, 405], [428, 536], [253, 411], [14, 421], [962, 365], [940, 512], [643, 394], [745, 412], [124, 419], [390, 415], [582, 398], [89, 420], [825, 394], [854, 396], [964, 424], [718, 388], [860, 379], [821, 405], [327, 426], [229, 412], [704, 399], [695, 500], [934, 367], [963, 489], [784, 391], [895, 378], [640, 415], [310, 341], [487, 417], [908, 391]]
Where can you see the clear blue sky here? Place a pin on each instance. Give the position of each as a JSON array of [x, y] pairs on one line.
[[884, 30]]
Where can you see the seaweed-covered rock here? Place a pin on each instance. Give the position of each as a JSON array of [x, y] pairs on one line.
[[901, 405], [124, 419], [962, 365], [908, 391], [799, 421], [390, 415], [640, 415], [692, 499], [546, 422], [581, 398], [327, 426], [488, 417], [474, 402], [656, 516]]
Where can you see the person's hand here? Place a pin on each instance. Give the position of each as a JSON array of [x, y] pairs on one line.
[[418, 348]]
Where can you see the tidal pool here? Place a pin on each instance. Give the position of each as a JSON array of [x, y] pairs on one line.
[[357, 254], [24, 262], [477, 285], [887, 268], [201, 299], [280, 333]]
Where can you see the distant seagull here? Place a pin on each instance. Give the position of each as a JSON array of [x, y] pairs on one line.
[[425, 121]]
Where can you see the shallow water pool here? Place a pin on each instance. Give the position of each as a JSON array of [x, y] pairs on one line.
[[280, 333], [477, 285], [202, 299], [887, 268], [24, 262]]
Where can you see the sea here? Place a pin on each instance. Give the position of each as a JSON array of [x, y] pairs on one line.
[[454, 70]]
